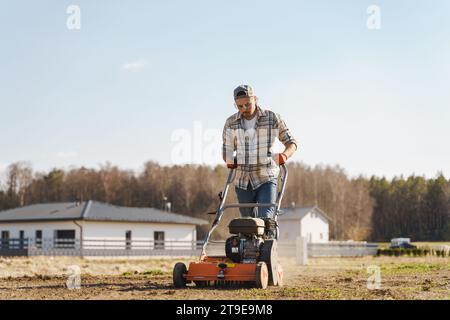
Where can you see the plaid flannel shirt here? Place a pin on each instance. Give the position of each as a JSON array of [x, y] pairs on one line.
[[253, 148]]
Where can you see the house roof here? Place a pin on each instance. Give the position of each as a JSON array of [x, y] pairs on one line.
[[93, 211], [298, 213]]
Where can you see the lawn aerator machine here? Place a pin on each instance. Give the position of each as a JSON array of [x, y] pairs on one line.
[[251, 256]]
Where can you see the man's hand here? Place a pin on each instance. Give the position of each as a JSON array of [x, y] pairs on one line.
[[280, 158], [231, 166]]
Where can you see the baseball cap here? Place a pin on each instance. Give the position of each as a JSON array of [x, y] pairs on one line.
[[243, 90]]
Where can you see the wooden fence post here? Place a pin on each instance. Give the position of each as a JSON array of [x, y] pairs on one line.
[[302, 251]]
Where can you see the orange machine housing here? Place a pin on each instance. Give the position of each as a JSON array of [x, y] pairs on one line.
[[208, 269]]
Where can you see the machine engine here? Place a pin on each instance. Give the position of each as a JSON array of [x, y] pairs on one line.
[[243, 249], [248, 240]]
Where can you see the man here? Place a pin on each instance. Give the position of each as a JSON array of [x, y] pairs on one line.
[[248, 138]]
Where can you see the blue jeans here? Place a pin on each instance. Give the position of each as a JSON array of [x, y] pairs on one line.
[[266, 193]]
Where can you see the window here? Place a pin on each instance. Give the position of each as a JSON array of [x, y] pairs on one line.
[[5, 239], [158, 236], [38, 237], [21, 239], [128, 239], [64, 238]]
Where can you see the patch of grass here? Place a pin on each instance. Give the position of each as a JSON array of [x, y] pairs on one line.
[[154, 272], [407, 268], [253, 293], [410, 289], [316, 292]]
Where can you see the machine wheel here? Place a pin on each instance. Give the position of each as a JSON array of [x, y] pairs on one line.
[[269, 254], [262, 275], [179, 272], [280, 275]]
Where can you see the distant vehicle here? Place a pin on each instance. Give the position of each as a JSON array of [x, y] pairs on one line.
[[402, 243]]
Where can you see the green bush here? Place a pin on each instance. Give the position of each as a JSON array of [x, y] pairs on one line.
[[417, 252]]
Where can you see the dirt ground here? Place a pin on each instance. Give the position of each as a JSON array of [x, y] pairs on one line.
[[323, 278]]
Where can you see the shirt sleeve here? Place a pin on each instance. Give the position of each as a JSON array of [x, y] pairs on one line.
[[284, 135], [227, 142]]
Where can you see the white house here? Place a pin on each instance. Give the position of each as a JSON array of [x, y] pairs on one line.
[[95, 225], [309, 222]]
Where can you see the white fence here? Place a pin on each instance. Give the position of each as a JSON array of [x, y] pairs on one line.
[[73, 247], [98, 247], [342, 249], [328, 249]]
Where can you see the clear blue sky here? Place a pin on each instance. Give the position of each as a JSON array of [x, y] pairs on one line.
[[138, 73]]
